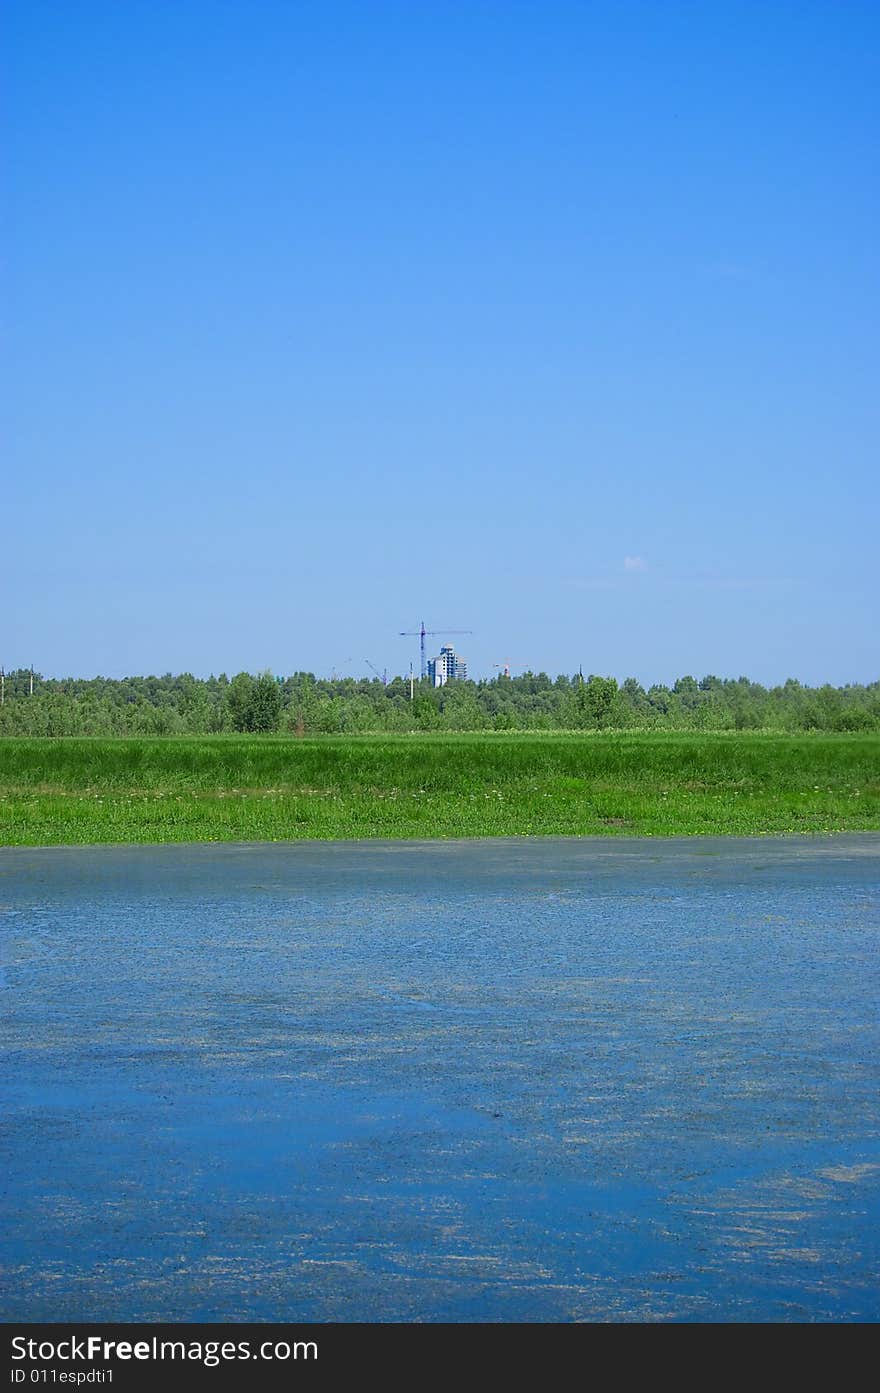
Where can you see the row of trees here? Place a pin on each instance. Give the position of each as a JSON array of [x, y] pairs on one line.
[[306, 705]]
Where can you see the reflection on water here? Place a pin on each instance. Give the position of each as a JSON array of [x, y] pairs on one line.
[[507, 1080]]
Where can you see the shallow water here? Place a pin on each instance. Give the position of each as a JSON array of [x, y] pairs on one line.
[[508, 1080]]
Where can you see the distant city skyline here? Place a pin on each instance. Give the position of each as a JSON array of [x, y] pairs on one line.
[[557, 324]]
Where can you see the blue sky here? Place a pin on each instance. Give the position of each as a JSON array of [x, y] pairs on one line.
[[556, 322]]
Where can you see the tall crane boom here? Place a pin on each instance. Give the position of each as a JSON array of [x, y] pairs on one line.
[[421, 634], [382, 676]]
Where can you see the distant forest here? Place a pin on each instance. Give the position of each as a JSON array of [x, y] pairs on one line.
[[306, 705]]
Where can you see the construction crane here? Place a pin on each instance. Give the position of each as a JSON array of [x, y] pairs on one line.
[[382, 676], [421, 634], [504, 668]]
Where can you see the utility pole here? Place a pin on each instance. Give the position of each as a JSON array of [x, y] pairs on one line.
[[411, 683], [2, 687], [31, 692]]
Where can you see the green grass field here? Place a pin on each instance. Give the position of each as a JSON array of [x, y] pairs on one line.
[[259, 788]]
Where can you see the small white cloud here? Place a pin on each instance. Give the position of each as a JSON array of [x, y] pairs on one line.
[[635, 563]]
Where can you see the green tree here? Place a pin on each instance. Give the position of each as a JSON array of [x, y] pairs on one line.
[[264, 708], [239, 695], [596, 701]]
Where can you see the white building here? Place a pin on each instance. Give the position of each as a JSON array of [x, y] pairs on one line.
[[446, 667]]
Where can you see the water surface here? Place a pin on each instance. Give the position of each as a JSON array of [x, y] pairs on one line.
[[573, 1079]]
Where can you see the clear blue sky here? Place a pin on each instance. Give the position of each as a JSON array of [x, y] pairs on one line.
[[556, 322]]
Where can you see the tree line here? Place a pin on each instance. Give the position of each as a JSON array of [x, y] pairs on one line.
[[303, 704]]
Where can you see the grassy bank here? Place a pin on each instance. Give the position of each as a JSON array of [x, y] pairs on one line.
[[252, 788]]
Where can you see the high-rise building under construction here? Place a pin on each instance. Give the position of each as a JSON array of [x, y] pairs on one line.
[[446, 667]]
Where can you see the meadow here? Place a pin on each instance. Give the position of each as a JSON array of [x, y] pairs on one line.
[[269, 788]]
